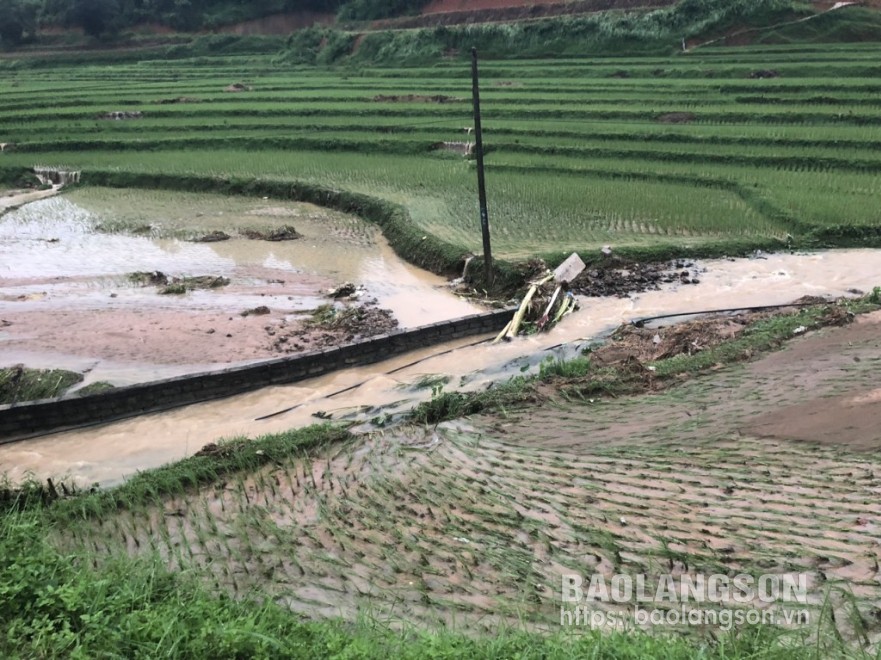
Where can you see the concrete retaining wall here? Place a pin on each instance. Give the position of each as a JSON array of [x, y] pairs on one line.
[[24, 420]]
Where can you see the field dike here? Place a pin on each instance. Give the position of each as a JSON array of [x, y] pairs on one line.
[[471, 524]]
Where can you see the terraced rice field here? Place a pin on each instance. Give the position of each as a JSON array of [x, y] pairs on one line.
[[732, 146], [472, 525]]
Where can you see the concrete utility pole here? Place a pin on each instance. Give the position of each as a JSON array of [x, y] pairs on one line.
[[481, 182]]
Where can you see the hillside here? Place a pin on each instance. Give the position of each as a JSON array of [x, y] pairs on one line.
[[342, 25]]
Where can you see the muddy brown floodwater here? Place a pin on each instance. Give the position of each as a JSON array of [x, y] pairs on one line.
[[108, 453], [66, 300]]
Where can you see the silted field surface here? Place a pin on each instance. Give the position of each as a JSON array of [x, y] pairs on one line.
[[471, 524]]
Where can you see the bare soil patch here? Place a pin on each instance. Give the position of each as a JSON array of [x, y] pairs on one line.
[[825, 416], [416, 98], [677, 118], [617, 278], [850, 419]]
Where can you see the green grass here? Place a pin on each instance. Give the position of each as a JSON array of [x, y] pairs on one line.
[[95, 388], [19, 384], [58, 604]]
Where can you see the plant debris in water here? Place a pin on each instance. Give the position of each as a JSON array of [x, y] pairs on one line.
[[284, 233], [179, 285], [154, 278], [331, 325], [347, 291], [262, 310], [213, 237], [19, 383], [618, 278]]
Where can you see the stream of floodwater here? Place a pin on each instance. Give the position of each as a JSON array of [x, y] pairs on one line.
[[107, 454]]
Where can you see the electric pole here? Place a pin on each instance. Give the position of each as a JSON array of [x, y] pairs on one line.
[[481, 182]]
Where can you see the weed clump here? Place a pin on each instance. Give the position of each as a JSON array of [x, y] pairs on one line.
[[19, 383]]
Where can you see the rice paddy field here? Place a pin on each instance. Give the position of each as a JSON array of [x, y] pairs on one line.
[[469, 526], [717, 149]]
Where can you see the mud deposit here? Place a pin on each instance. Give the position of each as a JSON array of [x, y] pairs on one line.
[[68, 298], [473, 524], [624, 279], [374, 394]]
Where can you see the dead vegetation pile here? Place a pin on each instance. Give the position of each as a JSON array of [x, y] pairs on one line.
[[619, 278], [629, 342], [333, 324], [633, 343], [177, 285], [416, 98]]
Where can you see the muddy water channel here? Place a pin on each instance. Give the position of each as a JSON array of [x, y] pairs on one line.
[[67, 299], [108, 453]]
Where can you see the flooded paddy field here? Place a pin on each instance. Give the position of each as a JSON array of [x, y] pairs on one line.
[[473, 523], [764, 466], [68, 298], [376, 393]]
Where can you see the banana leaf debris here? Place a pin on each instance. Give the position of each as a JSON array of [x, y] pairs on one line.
[[546, 302]]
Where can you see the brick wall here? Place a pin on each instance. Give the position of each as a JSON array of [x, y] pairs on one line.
[[30, 419]]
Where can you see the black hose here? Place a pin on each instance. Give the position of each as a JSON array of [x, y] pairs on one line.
[[387, 373], [641, 322]]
